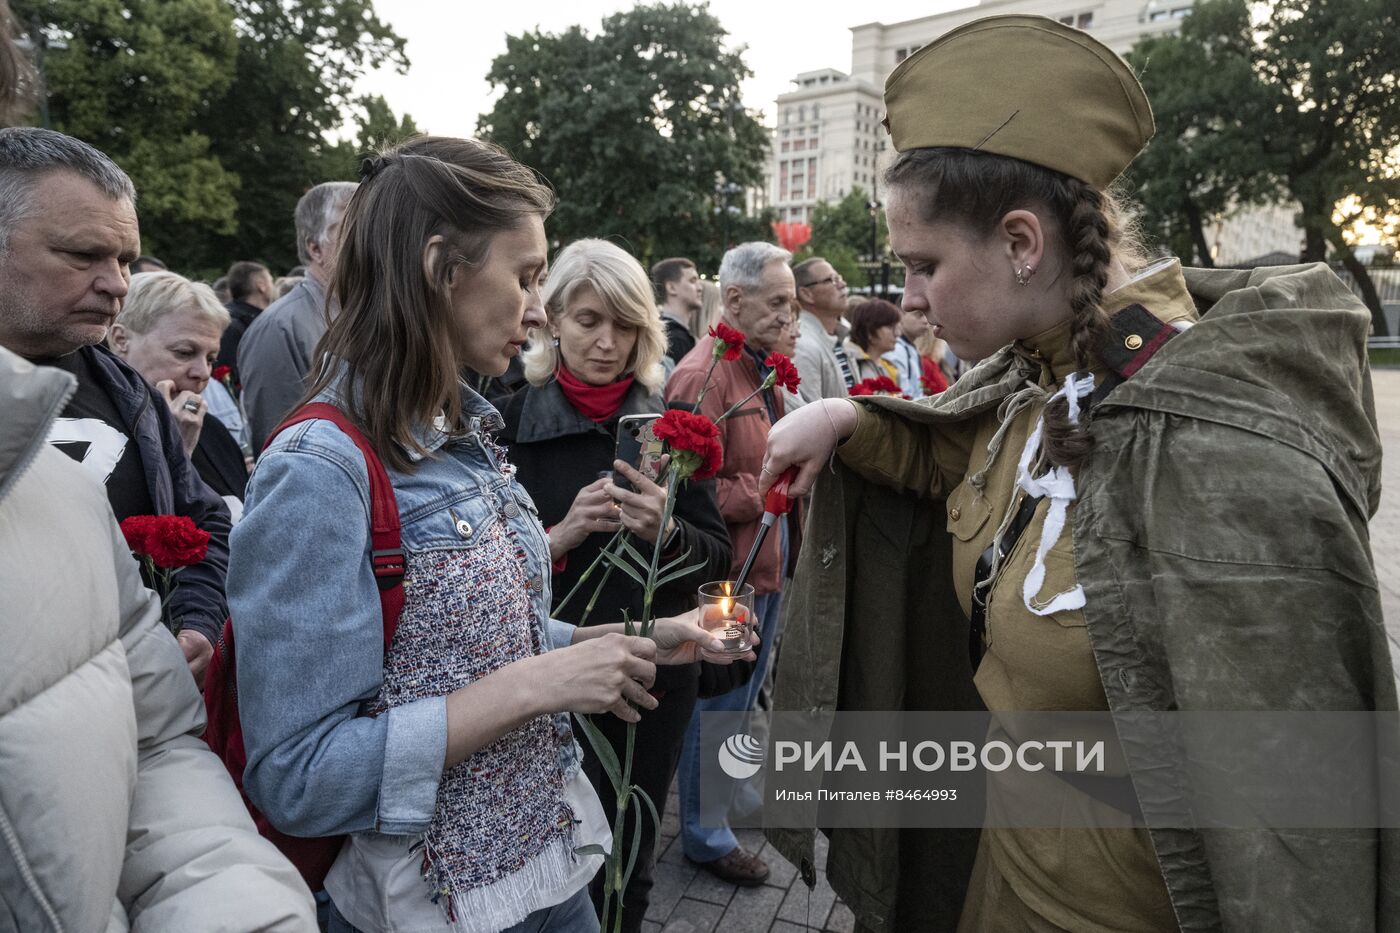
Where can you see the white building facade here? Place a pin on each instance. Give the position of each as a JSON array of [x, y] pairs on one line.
[[828, 138]]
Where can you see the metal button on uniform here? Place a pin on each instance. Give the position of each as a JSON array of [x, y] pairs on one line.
[[1133, 342], [955, 514]]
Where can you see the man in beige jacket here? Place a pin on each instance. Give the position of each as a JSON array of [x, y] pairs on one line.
[[114, 815]]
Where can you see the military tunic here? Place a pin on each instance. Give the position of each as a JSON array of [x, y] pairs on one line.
[[1037, 879]]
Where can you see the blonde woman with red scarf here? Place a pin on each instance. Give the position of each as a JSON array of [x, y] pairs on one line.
[[598, 360]]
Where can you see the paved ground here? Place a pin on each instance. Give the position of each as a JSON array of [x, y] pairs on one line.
[[687, 900]]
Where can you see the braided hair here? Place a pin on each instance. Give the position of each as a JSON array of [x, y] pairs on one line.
[[977, 189]]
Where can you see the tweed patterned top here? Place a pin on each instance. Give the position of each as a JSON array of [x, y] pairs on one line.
[[501, 825]]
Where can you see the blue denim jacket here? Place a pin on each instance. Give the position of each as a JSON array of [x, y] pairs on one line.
[[310, 632]]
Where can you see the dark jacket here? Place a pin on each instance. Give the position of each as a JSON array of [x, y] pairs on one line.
[[679, 339], [1266, 408], [558, 452], [175, 489], [219, 460], [241, 316]]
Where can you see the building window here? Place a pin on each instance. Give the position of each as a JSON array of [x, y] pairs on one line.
[[786, 145], [798, 145], [802, 114], [1157, 16], [1084, 20], [1181, 12], [817, 110]]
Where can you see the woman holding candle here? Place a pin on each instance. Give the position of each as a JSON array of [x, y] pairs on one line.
[[448, 758], [598, 360], [1122, 479]]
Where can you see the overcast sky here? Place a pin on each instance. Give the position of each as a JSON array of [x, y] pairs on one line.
[[451, 49]]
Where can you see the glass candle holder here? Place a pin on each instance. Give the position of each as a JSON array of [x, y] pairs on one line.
[[728, 614]]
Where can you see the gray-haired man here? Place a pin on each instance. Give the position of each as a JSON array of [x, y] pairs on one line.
[[68, 236], [756, 287], [275, 355]]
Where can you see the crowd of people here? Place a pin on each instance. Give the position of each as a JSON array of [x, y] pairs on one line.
[[506, 496], [397, 473]]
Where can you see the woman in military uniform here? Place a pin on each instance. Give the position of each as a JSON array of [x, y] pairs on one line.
[[1111, 478]]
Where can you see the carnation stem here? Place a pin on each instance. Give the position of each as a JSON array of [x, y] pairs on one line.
[[714, 361], [739, 404], [614, 543]]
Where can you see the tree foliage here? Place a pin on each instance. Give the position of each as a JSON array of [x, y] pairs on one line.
[[841, 234], [137, 80], [220, 110], [293, 86], [1287, 101], [639, 127]]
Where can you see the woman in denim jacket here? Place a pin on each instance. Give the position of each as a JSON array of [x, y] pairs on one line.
[[448, 758]]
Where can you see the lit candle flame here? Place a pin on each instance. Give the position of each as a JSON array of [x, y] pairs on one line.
[[725, 603]]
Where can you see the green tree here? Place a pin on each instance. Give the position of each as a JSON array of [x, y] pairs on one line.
[[1293, 100], [220, 110], [296, 68], [378, 127], [135, 80], [841, 234], [640, 127]]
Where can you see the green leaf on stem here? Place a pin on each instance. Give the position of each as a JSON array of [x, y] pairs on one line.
[[646, 799], [636, 843], [592, 849], [677, 574], [677, 561], [636, 555], [603, 749], [623, 564]]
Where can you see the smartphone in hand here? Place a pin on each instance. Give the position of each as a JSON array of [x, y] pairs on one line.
[[638, 445]]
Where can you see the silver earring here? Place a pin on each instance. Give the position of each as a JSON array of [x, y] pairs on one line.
[[1023, 274]]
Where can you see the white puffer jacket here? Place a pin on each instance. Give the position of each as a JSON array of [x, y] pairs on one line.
[[114, 815]]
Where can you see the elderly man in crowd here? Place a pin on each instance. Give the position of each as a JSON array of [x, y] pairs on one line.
[[756, 289], [68, 233], [826, 369], [276, 351]]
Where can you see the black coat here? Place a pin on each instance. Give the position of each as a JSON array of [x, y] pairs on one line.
[[557, 452], [241, 316]]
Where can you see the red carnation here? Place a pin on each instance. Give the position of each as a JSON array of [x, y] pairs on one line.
[[877, 385], [169, 541], [694, 441], [729, 343], [138, 530], [222, 372], [784, 373]]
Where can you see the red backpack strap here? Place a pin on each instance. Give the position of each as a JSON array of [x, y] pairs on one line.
[[386, 542]]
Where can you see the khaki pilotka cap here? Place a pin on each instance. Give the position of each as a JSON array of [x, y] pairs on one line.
[[1026, 87]]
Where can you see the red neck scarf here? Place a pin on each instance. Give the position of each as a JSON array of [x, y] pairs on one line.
[[596, 403]]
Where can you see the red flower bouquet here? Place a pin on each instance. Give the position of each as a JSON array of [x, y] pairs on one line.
[[164, 544], [695, 448]]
